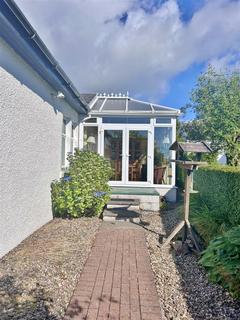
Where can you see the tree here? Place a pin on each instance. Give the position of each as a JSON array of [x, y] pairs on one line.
[[191, 130], [216, 103]]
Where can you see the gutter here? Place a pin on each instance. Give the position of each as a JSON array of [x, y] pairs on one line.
[[133, 113], [21, 36]]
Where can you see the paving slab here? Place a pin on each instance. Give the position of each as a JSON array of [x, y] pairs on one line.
[[117, 281]]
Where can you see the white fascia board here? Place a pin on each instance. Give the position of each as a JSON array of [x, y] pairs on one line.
[[92, 102], [133, 113]]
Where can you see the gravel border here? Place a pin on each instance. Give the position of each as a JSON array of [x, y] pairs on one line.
[[38, 277], [182, 285]]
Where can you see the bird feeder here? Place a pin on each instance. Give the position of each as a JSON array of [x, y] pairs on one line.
[[189, 165]]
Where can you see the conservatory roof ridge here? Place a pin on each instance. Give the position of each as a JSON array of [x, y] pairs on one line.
[[123, 104]]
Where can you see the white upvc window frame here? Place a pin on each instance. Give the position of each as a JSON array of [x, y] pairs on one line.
[[71, 138], [74, 136], [89, 124], [173, 153], [63, 143], [126, 127]]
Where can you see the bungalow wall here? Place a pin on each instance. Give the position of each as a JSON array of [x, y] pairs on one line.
[[31, 121]]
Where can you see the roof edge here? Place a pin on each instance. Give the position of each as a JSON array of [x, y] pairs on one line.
[[11, 15]]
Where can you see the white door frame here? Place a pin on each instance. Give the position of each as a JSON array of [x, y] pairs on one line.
[[101, 140], [125, 151]]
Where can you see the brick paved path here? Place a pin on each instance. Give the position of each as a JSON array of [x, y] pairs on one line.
[[117, 280]]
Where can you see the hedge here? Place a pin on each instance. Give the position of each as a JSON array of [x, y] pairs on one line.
[[215, 212], [180, 177], [219, 187]]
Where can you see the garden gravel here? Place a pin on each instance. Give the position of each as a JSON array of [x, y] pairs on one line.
[[183, 288], [38, 277]]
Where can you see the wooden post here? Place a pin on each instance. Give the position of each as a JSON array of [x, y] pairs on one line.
[[187, 193], [175, 231], [189, 167]]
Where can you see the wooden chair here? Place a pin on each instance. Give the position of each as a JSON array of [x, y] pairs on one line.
[[159, 173], [134, 171], [117, 168]]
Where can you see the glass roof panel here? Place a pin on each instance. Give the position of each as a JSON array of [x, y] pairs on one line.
[[114, 105], [159, 108], [97, 105], [138, 106]]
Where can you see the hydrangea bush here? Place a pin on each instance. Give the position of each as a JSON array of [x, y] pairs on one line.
[[84, 190]]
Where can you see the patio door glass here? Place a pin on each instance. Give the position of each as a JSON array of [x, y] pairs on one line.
[[113, 144], [137, 155]]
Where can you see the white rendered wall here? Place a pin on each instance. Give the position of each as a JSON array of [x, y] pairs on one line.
[[170, 193], [30, 148]]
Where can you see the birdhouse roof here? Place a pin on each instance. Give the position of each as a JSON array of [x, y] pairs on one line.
[[197, 147]]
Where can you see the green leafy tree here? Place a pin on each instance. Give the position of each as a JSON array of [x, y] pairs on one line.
[[216, 103], [191, 130]]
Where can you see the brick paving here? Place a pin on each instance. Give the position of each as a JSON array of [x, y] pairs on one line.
[[117, 280]]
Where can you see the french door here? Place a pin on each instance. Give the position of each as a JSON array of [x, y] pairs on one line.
[[128, 151], [113, 151]]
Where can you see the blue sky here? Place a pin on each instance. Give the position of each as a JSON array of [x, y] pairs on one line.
[[155, 49], [180, 86]]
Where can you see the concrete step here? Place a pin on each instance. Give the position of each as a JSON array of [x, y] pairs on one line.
[[145, 202], [121, 214], [128, 202], [123, 203]]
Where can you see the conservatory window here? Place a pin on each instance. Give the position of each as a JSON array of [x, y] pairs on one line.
[[131, 120], [74, 137], [90, 141], [91, 120], [163, 120], [64, 130], [162, 156]]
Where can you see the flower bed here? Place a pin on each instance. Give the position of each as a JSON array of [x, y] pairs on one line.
[[38, 277], [184, 290]]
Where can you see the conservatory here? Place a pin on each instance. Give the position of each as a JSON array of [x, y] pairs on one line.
[[135, 137]]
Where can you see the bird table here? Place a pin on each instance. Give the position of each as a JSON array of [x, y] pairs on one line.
[[189, 166]]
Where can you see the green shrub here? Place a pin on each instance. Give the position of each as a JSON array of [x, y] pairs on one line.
[[84, 190], [222, 261], [180, 177], [208, 222], [217, 207]]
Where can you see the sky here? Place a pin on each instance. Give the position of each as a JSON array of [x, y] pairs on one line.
[[154, 49]]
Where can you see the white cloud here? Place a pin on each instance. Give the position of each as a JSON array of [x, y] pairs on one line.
[[228, 62], [103, 55]]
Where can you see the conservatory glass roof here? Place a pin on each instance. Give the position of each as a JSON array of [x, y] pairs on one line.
[[124, 105]]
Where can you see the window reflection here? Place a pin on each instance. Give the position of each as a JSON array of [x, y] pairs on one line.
[[113, 152], [162, 156], [138, 142], [163, 120], [132, 120], [90, 141]]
